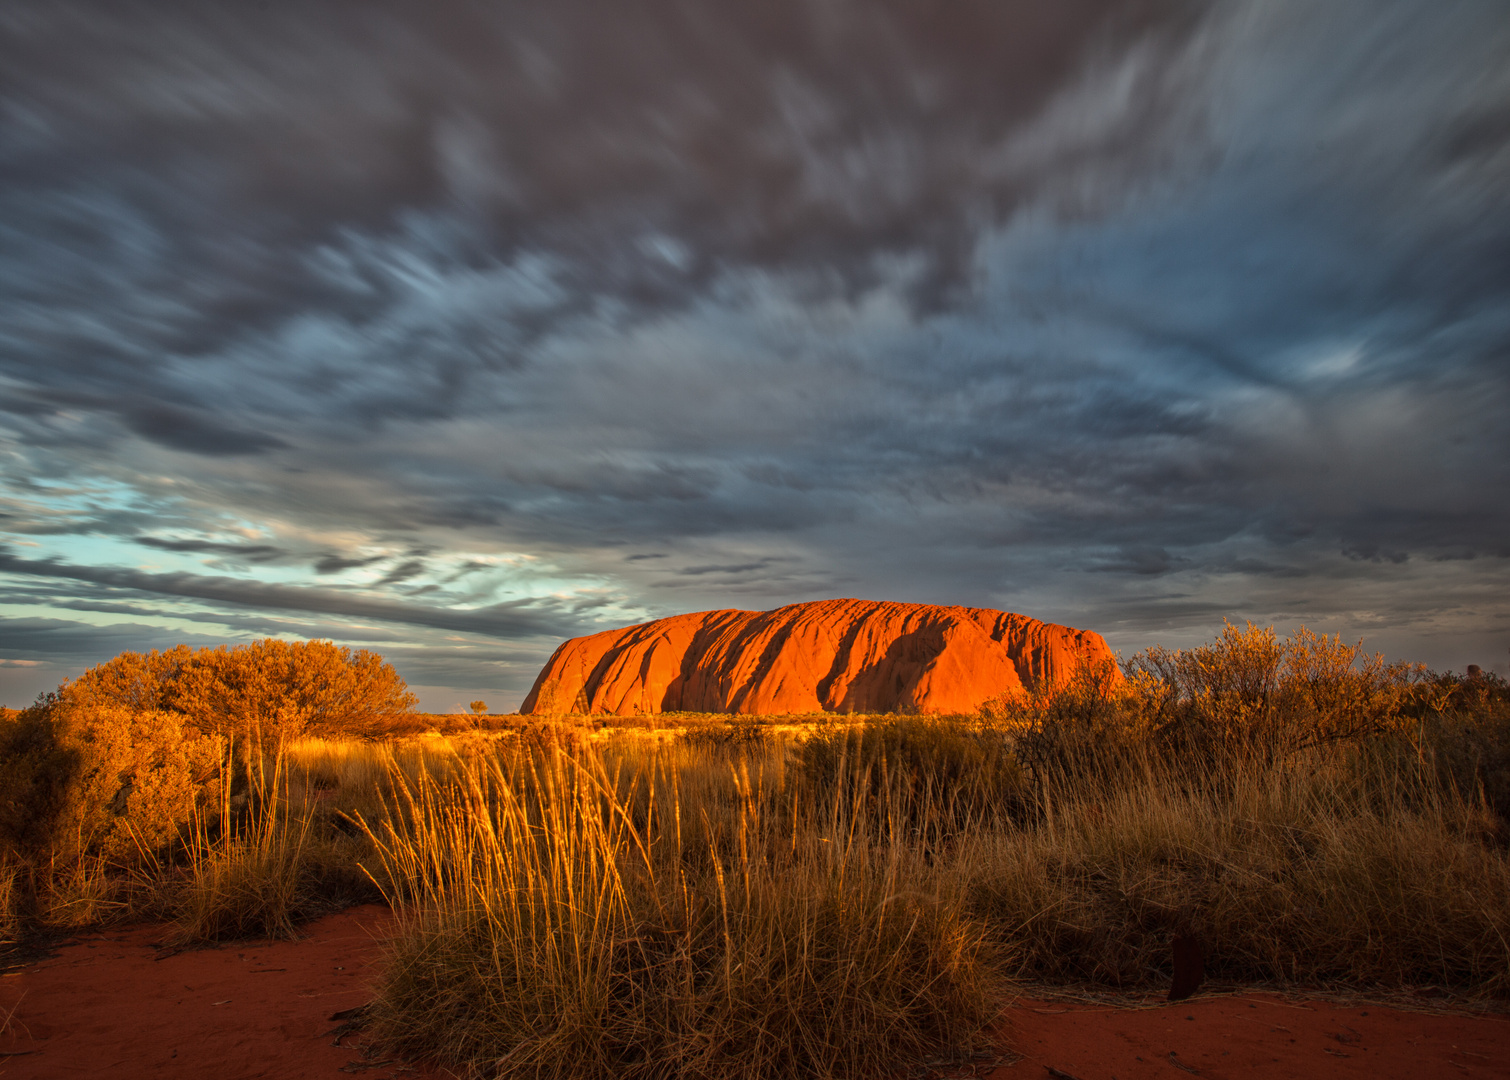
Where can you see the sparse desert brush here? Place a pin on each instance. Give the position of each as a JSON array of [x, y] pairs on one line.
[[1250, 693], [1093, 725], [1462, 723], [733, 736], [1330, 870], [819, 895], [286, 856], [565, 919], [336, 764], [11, 907], [1309, 812]]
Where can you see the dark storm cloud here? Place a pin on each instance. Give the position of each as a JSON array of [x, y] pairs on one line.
[[730, 568], [70, 600], [403, 572], [195, 432], [199, 177], [242, 623], [1139, 314], [1139, 560]]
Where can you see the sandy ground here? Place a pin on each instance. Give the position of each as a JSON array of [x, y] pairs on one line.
[[1250, 1035], [113, 1004]]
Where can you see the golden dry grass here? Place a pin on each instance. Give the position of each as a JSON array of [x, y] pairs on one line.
[[663, 917], [1322, 872]]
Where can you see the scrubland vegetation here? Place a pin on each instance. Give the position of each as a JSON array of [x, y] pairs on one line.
[[829, 896]]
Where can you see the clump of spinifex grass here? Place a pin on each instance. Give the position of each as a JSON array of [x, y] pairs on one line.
[[260, 868], [560, 919], [243, 876]]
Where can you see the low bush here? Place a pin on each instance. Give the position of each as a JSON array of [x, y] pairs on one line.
[[91, 795], [112, 813], [1089, 729], [1463, 724], [36, 770], [1249, 694], [140, 778], [268, 691]]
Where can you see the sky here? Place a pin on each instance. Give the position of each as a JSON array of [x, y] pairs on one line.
[[452, 330]]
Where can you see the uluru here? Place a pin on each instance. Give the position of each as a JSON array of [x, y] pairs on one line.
[[862, 656]]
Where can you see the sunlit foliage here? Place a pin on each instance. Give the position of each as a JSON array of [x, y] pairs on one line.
[[270, 689], [138, 777]]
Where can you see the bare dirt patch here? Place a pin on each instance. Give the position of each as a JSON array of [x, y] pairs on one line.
[[1250, 1036], [113, 1004]]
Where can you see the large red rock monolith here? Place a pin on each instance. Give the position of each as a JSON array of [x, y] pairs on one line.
[[828, 656]]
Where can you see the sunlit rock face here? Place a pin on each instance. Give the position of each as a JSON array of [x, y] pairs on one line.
[[830, 655]]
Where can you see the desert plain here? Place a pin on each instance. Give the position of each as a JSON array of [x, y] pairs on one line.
[[967, 844]]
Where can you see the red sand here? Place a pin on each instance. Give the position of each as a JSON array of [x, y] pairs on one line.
[[106, 1006], [1250, 1035]]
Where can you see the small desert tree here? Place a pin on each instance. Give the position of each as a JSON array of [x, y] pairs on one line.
[[267, 690], [478, 707]]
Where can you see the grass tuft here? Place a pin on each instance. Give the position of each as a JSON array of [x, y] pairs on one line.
[[564, 920]]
